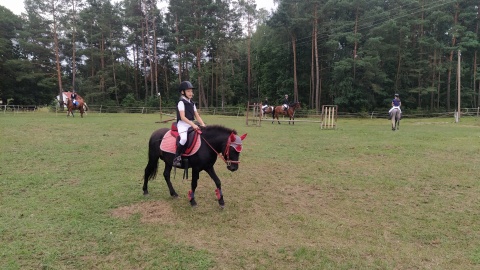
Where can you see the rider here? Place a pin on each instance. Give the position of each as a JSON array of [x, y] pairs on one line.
[[265, 104], [285, 103], [186, 114], [74, 98], [396, 103]]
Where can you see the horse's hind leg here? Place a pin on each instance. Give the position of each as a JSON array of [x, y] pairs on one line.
[[150, 173], [166, 175]]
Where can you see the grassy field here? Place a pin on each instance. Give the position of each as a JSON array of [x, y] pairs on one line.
[[359, 197]]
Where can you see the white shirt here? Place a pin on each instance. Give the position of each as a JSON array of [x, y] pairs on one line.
[[181, 125]]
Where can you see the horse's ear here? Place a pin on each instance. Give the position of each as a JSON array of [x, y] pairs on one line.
[[243, 136], [232, 137]]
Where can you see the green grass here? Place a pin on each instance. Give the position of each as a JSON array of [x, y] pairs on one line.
[[359, 197]]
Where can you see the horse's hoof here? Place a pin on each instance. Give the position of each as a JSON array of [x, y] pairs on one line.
[[145, 193], [193, 203]]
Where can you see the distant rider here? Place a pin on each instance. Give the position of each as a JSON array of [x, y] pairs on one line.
[[74, 98], [285, 103], [396, 103], [265, 104]]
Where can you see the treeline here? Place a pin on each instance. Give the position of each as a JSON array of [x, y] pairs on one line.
[[355, 54]]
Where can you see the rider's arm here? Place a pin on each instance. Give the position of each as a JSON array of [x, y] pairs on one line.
[[185, 119], [199, 119]]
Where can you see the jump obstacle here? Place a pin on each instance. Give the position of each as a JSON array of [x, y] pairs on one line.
[[329, 117], [256, 117]]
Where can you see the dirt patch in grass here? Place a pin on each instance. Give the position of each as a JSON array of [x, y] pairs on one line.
[[150, 212]]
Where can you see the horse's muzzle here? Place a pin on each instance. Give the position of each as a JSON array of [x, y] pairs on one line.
[[232, 167]]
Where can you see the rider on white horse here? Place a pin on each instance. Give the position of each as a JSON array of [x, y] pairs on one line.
[[396, 103]]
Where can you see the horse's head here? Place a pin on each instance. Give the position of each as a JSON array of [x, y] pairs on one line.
[[296, 105], [232, 151]]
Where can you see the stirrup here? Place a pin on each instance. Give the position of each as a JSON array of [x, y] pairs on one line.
[[177, 162]]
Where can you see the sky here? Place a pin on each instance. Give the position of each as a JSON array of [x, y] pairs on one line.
[[16, 6]]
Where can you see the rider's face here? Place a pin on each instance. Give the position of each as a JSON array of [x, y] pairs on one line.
[[189, 93]]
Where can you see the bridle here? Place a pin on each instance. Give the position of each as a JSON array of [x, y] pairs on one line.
[[226, 154]]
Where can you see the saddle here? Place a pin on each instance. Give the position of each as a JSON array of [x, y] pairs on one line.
[[169, 141]]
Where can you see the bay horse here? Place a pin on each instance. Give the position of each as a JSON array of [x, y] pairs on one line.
[[290, 112], [396, 115], [214, 141], [71, 107]]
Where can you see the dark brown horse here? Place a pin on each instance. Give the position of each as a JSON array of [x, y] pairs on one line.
[[290, 112], [71, 107], [216, 141]]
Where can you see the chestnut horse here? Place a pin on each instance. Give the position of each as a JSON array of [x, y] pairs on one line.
[[290, 112], [72, 107]]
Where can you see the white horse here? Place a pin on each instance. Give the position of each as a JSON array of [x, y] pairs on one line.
[[395, 115]]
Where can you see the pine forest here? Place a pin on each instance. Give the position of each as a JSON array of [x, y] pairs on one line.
[[352, 53]]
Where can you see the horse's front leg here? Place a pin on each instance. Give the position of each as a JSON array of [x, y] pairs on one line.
[[194, 183], [166, 175], [218, 184]]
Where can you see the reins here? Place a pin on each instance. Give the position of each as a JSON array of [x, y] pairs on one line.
[[226, 153]]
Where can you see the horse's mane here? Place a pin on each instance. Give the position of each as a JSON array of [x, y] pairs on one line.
[[215, 129]]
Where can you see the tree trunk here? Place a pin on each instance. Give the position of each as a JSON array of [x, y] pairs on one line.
[[135, 71], [102, 66], [295, 83], [355, 45], [399, 60], [432, 95], [450, 59], [179, 54], [201, 92], [144, 57], [318, 85], [439, 82], [74, 48], [57, 53], [312, 71], [249, 68], [114, 72], [155, 56]]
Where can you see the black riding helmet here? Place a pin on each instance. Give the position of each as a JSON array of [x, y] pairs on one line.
[[185, 85]]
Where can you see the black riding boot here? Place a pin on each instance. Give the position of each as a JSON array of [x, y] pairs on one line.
[[177, 161]]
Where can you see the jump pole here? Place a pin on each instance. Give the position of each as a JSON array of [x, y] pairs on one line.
[[329, 117]]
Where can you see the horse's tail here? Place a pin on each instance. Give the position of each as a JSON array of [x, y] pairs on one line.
[[85, 107], [154, 154], [152, 166]]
